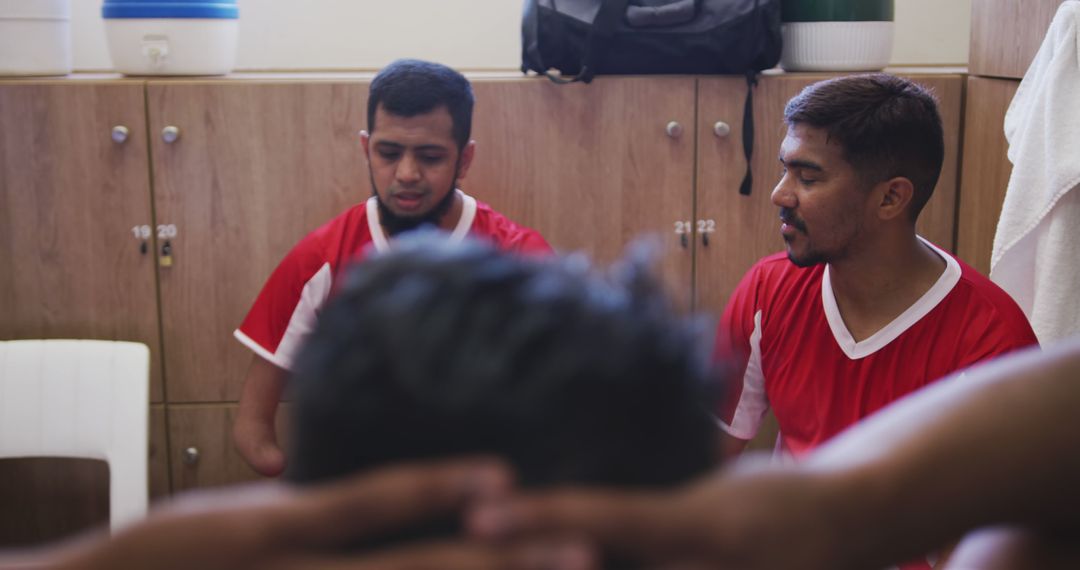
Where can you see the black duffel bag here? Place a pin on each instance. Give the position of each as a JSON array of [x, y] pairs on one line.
[[583, 38]]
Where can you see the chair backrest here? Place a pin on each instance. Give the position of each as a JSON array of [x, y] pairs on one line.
[[80, 398]]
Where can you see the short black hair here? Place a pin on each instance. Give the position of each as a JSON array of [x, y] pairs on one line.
[[888, 126], [410, 87], [439, 349]]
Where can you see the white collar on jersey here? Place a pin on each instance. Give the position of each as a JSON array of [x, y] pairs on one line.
[[856, 350], [382, 244]]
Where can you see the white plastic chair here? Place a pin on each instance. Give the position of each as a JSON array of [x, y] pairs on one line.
[[80, 398]]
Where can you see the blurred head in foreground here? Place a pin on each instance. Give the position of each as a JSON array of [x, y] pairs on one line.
[[439, 349]]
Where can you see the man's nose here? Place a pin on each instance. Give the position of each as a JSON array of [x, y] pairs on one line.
[[408, 170], [782, 195]]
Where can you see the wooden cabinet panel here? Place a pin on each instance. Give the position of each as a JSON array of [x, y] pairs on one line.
[[158, 455], [747, 226], [937, 222], [590, 166], [69, 199], [1006, 35], [206, 430], [256, 167], [986, 169]]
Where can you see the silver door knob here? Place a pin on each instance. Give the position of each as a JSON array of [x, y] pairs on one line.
[[721, 129], [674, 129], [191, 455], [119, 133], [170, 133]]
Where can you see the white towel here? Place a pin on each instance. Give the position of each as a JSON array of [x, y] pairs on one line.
[[1035, 258]]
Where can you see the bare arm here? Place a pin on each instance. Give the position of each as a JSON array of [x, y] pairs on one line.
[[269, 525], [995, 447], [982, 427], [253, 431], [952, 458]]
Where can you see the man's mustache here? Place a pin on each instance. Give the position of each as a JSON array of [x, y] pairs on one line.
[[789, 218]]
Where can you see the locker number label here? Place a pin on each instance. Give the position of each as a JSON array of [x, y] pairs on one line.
[[141, 232]]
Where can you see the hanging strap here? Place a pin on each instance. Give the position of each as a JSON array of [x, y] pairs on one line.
[[748, 110], [748, 132]]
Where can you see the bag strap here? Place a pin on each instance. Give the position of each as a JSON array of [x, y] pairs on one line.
[[748, 110], [748, 132], [600, 33]]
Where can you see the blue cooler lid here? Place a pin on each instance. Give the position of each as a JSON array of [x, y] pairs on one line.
[[222, 9]]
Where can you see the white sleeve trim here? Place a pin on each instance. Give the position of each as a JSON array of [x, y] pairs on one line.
[[753, 403], [302, 322], [259, 350], [305, 315]]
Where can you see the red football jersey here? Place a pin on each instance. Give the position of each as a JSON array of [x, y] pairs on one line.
[[799, 358], [286, 309]]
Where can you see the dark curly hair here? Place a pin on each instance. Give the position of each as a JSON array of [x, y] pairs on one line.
[[439, 349]]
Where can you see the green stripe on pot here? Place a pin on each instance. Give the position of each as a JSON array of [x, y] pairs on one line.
[[837, 10]]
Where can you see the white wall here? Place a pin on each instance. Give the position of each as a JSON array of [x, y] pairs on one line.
[[932, 32], [466, 34]]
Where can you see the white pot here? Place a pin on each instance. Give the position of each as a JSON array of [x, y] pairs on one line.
[[836, 46], [172, 46], [35, 37]]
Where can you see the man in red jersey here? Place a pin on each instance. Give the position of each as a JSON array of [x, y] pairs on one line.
[[861, 310], [418, 147]]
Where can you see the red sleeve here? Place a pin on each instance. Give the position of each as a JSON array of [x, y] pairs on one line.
[[285, 310], [998, 331], [506, 234]]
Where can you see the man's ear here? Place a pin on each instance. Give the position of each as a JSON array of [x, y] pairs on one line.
[[466, 158], [365, 141], [896, 195]]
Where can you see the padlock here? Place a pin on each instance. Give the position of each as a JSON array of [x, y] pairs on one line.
[[165, 259]]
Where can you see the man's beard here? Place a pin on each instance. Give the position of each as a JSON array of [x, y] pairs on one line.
[[809, 258], [394, 224]]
